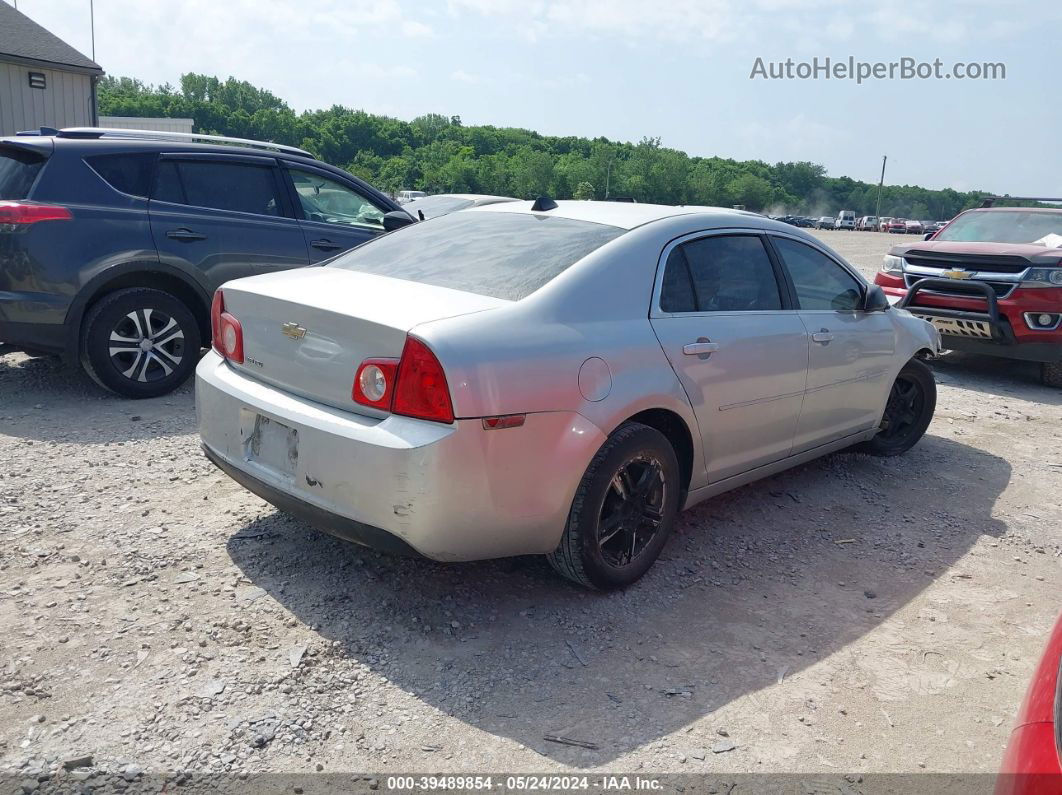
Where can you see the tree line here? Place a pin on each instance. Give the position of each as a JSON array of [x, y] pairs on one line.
[[437, 153]]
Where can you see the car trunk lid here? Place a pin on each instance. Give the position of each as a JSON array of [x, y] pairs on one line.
[[306, 331]]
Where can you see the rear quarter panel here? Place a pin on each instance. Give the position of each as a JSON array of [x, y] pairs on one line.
[[59, 258]]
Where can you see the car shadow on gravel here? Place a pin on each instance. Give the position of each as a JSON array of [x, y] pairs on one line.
[[994, 376], [46, 400], [758, 585]]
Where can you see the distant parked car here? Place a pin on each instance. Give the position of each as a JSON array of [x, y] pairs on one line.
[[868, 223], [444, 203], [845, 220], [406, 196], [826, 222], [936, 226], [914, 227], [112, 242], [897, 226], [883, 224], [804, 222], [556, 378]]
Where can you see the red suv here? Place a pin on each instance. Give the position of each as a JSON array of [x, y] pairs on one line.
[[990, 281]]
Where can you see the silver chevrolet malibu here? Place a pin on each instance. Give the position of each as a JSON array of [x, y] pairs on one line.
[[556, 378]]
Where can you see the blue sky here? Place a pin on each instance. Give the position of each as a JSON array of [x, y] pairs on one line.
[[677, 69]]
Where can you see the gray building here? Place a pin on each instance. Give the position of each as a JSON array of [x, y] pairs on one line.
[[44, 82]]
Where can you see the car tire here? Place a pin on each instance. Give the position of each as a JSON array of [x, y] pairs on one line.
[[636, 460], [140, 342], [1051, 374], [908, 412]]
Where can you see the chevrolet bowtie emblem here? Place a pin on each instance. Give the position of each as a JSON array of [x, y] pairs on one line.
[[958, 273], [293, 330]]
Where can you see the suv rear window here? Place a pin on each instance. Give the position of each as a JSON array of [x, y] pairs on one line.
[[18, 170], [128, 172], [500, 255]]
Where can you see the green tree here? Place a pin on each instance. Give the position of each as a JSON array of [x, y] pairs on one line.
[[439, 152], [584, 191]]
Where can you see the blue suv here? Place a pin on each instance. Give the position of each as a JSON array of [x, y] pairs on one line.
[[112, 242]]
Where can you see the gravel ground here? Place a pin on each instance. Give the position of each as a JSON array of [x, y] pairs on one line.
[[853, 615]]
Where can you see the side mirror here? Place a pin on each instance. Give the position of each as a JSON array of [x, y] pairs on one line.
[[396, 219], [928, 235], [875, 300]]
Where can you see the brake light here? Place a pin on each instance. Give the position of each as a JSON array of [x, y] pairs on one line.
[[414, 386], [421, 390], [15, 213], [225, 330], [374, 384]]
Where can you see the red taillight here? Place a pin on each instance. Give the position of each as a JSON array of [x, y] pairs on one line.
[[374, 383], [414, 386], [31, 213], [225, 330], [422, 390]]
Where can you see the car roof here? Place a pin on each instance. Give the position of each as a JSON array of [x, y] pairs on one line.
[[160, 144], [472, 197], [1012, 209], [625, 215]]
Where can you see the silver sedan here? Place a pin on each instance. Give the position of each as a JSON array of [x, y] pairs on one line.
[[559, 378]]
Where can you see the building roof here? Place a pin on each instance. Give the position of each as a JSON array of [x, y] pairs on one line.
[[24, 41]]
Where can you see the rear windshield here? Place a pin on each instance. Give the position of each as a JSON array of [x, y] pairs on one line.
[[501, 255], [1005, 226], [17, 171]]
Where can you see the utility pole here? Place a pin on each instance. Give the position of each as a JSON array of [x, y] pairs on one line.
[[877, 209], [92, 26], [608, 174]]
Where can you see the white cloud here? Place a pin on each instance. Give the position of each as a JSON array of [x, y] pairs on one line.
[[417, 30], [462, 76], [752, 21]]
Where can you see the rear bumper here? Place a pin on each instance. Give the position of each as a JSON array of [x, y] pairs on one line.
[[447, 492], [332, 523]]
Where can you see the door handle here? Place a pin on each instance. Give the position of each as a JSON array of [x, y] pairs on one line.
[[700, 348], [325, 245], [823, 336], [184, 234]]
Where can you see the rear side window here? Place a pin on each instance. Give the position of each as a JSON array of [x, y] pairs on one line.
[[18, 170], [239, 187], [726, 273], [820, 283], [128, 172], [501, 255]]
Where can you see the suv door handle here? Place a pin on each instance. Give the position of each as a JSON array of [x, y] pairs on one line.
[[823, 337], [700, 348], [184, 234], [325, 245]]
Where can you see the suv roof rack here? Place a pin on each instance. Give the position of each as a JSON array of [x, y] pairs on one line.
[[988, 201], [161, 135]]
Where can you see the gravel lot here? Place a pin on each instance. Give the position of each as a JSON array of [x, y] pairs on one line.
[[853, 615]]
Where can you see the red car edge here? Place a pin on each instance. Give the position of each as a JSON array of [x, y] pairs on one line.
[[1032, 763]]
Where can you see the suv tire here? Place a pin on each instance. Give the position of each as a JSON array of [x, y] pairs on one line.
[[1051, 374], [140, 342], [643, 462], [908, 412]]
